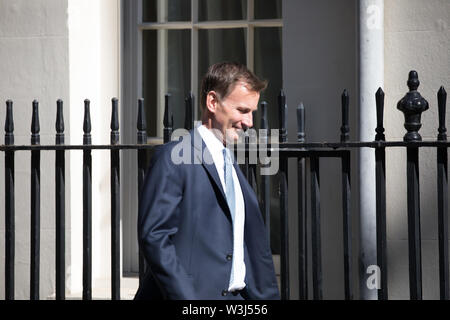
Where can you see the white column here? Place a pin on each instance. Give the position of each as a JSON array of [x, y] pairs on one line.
[[371, 77], [94, 74]]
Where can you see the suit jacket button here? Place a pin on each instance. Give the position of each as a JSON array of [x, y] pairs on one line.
[[224, 293], [229, 257]]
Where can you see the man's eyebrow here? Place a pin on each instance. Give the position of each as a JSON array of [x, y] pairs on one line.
[[243, 108]]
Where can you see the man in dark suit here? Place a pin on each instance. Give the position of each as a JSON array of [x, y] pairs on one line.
[[199, 225]]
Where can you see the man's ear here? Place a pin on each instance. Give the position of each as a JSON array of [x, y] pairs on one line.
[[212, 101]]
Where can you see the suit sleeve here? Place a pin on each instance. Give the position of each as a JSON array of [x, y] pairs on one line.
[[158, 221]]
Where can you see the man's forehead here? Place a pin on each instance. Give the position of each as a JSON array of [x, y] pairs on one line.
[[243, 85], [242, 88]]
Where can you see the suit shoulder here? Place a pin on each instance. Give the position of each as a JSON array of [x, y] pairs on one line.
[[173, 152], [164, 149], [167, 148]]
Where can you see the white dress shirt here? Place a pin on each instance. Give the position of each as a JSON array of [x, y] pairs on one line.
[[215, 147]]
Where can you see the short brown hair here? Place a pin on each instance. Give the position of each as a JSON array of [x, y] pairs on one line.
[[223, 76]]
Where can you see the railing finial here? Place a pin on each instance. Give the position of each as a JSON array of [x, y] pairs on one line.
[[301, 122], [283, 116], [114, 121], [87, 123], [345, 128], [141, 123], [379, 98], [9, 123], [264, 121], [442, 100], [168, 119], [59, 125], [412, 105], [35, 127], [189, 115]]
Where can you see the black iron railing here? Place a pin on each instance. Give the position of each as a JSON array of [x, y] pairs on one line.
[[307, 155]]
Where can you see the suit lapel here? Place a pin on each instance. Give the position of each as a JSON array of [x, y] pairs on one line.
[[204, 157]]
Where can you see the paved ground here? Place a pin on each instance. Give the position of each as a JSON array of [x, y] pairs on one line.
[[102, 290]]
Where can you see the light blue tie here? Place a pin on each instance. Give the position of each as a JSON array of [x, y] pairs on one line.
[[229, 185], [229, 192]]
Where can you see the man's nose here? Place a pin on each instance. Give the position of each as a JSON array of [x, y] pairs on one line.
[[247, 121]]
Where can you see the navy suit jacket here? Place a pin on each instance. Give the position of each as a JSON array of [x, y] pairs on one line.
[[185, 229]]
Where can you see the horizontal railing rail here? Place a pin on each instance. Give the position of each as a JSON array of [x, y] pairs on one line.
[[282, 147]]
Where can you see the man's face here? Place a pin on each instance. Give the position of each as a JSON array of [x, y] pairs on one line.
[[234, 113]]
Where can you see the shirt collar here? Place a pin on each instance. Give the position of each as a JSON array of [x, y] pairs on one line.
[[214, 145]]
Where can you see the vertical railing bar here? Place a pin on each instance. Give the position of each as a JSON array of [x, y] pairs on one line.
[[380, 182], [87, 205], [284, 258], [265, 188], [35, 205], [414, 237], [443, 222], [315, 226], [380, 190], [251, 147], [347, 225], [302, 218], [9, 204], [412, 105], [115, 203], [142, 161], [442, 174], [347, 219], [283, 183], [60, 204]]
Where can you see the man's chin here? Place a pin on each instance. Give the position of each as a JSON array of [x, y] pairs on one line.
[[233, 135]]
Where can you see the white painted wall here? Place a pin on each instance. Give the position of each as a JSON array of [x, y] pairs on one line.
[[34, 64], [52, 49], [320, 60], [417, 37], [94, 74]]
